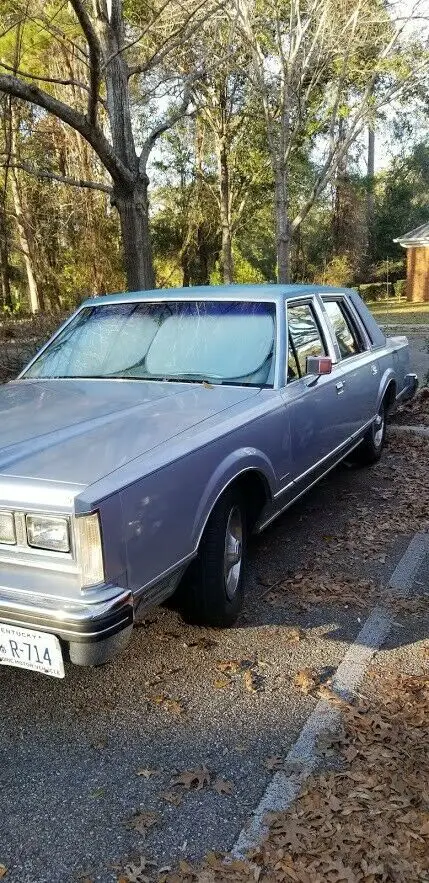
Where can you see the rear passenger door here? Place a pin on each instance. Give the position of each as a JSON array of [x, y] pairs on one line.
[[356, 370]]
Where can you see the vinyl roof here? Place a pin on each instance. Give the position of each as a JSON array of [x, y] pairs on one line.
[[264, 292]]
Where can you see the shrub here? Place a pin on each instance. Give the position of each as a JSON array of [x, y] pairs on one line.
[[400, 288], [376, 291]]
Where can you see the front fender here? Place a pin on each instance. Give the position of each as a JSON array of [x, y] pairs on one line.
[[233, 466]]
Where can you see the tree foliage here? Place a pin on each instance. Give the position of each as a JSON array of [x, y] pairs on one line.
[[243, 121]]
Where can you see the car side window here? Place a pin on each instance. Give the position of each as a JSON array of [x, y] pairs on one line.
[[342, 326], [305, 336]]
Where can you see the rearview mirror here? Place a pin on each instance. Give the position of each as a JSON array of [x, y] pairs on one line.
[[318, 365]]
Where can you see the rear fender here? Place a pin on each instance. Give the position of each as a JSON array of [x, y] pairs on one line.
[[387, 378]]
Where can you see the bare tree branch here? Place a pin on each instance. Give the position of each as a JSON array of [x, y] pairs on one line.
[[77, 84], [94, 58], [93, 135], [167, 124], [61, 179]]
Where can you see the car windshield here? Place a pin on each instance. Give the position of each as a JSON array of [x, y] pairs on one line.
[[188, 341]]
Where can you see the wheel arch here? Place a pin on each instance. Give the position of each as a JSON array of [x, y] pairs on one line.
[[255, 478], [388, 390]]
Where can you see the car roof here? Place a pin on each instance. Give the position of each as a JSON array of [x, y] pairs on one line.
[[265, 292]]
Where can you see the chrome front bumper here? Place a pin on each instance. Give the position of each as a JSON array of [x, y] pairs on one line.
[[93, 631]]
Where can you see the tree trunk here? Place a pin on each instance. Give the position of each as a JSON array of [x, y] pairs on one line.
[[6, 291], [26, 244], [370, 189], [133, 208], [227, 260], [132, 204], [283, 238]]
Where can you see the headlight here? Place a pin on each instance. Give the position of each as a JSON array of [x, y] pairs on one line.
[[48, 532], [90, 551], [7, 528]]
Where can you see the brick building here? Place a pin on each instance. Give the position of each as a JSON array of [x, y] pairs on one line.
[[416, 243]]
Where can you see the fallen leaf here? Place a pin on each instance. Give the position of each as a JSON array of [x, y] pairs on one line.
[[221, 683], [135, 872], [306, 680], [275, 762], [294, 635], [174, 706], [231, 666], [249, 681], [222, 786], [146, 774], [142, 821], [3, 871], [173, 797], [195, 779]]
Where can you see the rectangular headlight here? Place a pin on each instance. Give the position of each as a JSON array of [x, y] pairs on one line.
[[7, 529], [90, 550], [48, 532]]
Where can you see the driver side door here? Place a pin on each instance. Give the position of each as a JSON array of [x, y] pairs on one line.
[[314, 403]]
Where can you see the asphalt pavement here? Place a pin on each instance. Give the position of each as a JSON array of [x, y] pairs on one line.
[[80, 758]]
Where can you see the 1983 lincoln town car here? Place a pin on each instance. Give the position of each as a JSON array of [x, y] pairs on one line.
[[153, 433]]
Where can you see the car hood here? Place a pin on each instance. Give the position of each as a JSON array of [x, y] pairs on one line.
[[78, 431]]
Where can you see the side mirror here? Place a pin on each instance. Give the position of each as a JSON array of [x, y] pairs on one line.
[[318, 365]]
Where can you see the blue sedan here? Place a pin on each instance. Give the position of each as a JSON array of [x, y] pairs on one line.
[[153, 433]]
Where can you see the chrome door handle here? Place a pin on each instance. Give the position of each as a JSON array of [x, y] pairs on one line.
[[339, 387]]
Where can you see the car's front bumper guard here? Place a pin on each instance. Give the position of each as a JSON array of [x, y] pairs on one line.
[[70, 621]]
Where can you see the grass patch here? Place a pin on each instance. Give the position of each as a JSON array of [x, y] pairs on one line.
[[400, 313]]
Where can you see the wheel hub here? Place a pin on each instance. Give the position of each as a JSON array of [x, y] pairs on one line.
[[233, 551]]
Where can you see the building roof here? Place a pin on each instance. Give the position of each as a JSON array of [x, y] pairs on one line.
[[419, 236], [264, 292]]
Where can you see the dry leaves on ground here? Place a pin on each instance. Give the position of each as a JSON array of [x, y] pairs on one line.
[[274, 762], [3, 871], [173, 797], [147, 774], [391, 510], [174, 706], [195, 779], [135, 872], [306, 679], [366, 822], [414, 412], [142, 821], [222, 786]]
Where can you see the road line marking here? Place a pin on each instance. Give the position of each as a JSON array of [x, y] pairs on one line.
[[302, 758]]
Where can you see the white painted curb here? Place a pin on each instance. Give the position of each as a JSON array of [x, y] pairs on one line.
[[303, 758]]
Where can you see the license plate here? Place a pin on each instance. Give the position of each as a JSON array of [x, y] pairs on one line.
[[36, 651]]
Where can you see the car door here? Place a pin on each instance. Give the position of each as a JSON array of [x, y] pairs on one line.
[[356, 369], [314, 403]]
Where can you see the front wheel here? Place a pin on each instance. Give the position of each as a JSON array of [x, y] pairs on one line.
[[213, 591], [370, 450]]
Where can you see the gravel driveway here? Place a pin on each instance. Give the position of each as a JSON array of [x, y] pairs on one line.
[[71, 750], [80, 757]]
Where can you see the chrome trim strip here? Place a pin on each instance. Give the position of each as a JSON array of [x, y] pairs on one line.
[[165, 574], [265, 524], [326, 457]]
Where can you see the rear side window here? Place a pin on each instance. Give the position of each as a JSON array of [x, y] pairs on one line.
[[344, 331], [305, 338]]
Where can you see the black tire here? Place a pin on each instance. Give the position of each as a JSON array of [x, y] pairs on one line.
[[207, 596], [371, 448]]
